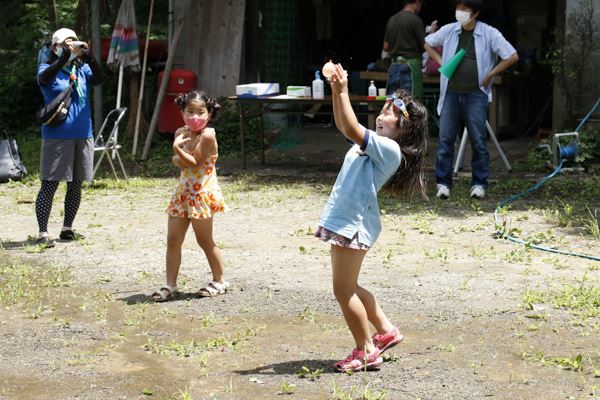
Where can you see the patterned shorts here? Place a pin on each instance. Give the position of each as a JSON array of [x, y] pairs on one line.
[[338, 240]]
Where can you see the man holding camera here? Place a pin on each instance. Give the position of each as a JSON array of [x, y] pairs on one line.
[[67, 151]]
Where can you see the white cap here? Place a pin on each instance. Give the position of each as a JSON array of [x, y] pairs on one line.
[[62, 34]]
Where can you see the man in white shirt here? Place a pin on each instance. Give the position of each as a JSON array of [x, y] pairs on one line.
[[465, 96]]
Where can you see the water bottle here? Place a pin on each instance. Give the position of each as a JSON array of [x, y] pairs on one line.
[[318, 90], [372, 90]]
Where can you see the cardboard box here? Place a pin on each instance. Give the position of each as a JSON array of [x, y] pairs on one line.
[[298, 91], [257, 89]]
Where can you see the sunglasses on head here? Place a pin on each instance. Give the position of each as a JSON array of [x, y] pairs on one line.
[[398, 103]]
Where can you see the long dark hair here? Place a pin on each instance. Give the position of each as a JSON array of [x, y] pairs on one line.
[[410, 176], [210, 102]]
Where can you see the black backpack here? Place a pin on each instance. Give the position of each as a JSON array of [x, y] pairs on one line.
[[11, 165]]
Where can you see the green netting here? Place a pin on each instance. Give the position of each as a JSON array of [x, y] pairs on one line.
[[282, 58], [282, 63]]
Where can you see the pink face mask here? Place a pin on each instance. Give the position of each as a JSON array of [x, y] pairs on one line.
[[195, 122]]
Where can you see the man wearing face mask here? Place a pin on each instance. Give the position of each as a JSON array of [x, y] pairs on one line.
[[465, 96], [67, 151]]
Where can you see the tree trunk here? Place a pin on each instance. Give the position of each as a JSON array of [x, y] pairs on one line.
[[51, 5], [83, 26], [134, 95]]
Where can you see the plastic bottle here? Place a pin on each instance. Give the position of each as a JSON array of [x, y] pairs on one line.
[[372, 90], [318, 90]]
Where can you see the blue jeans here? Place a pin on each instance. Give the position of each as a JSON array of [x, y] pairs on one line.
[[399, 77], [470, 111]]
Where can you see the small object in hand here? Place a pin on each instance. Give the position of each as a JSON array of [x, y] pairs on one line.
[[328, 69]]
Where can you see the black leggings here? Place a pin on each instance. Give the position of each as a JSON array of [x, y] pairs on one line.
[[43, 203]]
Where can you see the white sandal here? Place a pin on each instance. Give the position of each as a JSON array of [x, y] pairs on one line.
[[165, 293], [213, 288]]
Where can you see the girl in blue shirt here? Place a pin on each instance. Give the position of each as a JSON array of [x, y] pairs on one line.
[[392, 156]]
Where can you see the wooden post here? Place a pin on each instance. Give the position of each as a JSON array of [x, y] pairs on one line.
[[163, 89], [141, 96]]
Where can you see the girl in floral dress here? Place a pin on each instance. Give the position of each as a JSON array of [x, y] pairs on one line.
[[198, 195]]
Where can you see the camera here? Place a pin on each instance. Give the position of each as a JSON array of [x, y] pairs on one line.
[[82, 46]]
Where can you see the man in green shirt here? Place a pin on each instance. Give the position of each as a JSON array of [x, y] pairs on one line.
[[404, 41]]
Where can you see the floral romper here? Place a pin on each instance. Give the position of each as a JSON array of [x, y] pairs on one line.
[[198, 194]]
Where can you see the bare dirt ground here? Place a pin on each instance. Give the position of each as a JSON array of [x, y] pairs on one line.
[[482, 317]]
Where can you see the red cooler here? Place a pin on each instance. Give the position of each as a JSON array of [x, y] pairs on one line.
[[180, 81]]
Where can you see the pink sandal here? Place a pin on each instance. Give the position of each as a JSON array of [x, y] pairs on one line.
[[388, 340], [358, 361]]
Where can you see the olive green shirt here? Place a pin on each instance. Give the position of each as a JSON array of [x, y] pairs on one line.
[[405, 34], [465, 79]]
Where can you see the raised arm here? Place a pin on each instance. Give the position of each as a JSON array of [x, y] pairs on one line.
[[48, 75], [342, 108]]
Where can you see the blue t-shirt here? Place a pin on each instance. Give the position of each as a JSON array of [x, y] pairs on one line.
[[78, 124], [352, 207]]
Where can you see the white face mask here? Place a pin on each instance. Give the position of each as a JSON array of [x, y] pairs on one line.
[[463, 17], [59, 50]]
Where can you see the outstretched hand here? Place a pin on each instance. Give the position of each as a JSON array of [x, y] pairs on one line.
[[339, 80]]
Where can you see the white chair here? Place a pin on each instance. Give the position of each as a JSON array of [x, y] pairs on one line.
[[110, 144]]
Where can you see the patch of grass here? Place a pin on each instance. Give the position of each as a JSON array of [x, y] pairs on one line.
[[465, 284], [519, 255], [287, 388], [209, 320], [580, 297], [450, 348], [25, 286], [480, 252], [308, 315], [307, 373], [422, 226], [101, 279], [440, 254], [573, 363], [191, 347], [143, 276], [303, 232], [356, 393], [591, 224]]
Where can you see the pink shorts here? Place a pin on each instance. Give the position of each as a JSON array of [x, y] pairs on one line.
[[338, 240]]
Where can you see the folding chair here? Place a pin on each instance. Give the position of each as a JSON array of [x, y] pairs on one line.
[[463, 143], [110, 144]]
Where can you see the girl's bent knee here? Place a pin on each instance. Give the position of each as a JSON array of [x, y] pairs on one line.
[[342, 295]]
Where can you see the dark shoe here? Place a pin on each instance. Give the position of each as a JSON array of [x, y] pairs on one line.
[[45, 241], [70, 235]]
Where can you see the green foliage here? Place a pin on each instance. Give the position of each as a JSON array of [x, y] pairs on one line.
[[227, 126], [20, 41], [571, 57], [589, 149]]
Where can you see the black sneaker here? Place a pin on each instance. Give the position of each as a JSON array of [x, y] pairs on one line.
[[70, 235], [45, 241]]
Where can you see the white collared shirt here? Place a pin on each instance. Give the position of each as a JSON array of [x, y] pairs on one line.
[[489, 45]]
